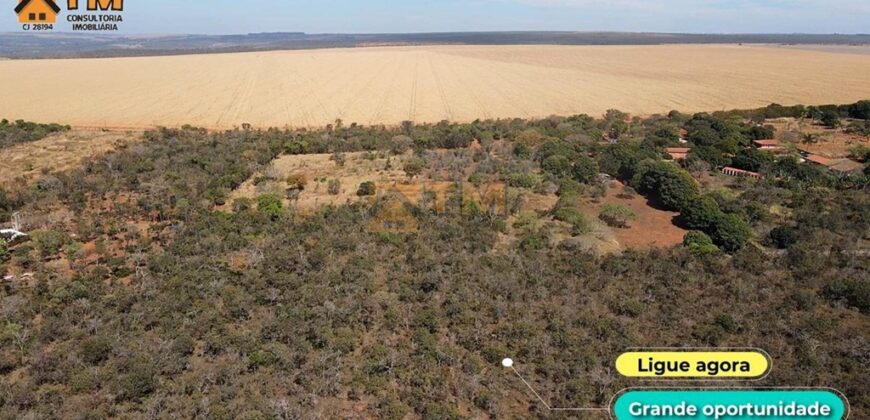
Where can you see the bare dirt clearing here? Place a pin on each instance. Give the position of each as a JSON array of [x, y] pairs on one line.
[[653, 227], [320, 170], [424, 84], [830, 143], [58, 152]]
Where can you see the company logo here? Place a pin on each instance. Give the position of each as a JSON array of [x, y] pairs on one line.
[[84, 16], [37, 11], [116, 5]]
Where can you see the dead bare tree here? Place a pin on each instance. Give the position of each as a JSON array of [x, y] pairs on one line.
[[16, 231], [16, 221]]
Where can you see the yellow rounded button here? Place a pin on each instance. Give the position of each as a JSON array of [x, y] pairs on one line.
[[691, 364]]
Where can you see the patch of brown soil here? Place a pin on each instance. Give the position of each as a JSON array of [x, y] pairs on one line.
[[653, 227]]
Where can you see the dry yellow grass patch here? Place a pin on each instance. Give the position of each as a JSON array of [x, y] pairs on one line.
[[58, 152], [830, 143], [424, 84], [318, 170], [384, 170]]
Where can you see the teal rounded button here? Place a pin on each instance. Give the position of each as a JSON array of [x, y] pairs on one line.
[[730, 404]]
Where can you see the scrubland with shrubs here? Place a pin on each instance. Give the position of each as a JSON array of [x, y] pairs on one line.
[[137, 296]]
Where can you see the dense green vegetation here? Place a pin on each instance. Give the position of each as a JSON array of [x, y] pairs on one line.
[[24, 131], [263, 313]]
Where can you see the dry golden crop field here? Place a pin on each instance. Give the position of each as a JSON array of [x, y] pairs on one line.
[[424, 84]]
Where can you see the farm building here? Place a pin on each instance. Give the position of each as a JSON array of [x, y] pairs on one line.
[[740, 172], [769, 145], [678, 153], [846, 167], [819, 160]]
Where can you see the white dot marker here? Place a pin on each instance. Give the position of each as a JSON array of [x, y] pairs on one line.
[[507, 362]]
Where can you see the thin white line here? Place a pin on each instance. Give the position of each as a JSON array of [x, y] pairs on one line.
[[548, 405]]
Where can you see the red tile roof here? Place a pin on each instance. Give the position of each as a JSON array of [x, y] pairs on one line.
[[767, 142], [821, 160]]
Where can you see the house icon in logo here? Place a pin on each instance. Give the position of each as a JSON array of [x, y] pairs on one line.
[[37, 11]]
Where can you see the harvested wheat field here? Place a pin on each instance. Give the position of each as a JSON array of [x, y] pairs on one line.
[[423, 84]]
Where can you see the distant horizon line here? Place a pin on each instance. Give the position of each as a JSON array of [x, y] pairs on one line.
[[88, 34]]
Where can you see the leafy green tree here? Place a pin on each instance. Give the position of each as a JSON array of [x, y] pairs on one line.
[[621, 160], [557, 148], [830, 118], [270, 204], [752, 159], [712, 155], [855, 292], [569, 188], [703, 136], [699, 213], [860, 110], [730, 145], [414, 166], [585, 170], [530, 137], [96, 349], [521, 150], [662, 133], [668, 184], [615, 125], [556, 165], [782, 237], [24, 131], [723, 131], [617, 129], [616, 215], [758, 132], [779, 111], [296, 146], [138, 382], [730, 232], [699, 243], [574, 216], [677, 189], [522, 179]]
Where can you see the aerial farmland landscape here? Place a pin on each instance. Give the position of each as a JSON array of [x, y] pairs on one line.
[[388, 85], [480, 210]]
